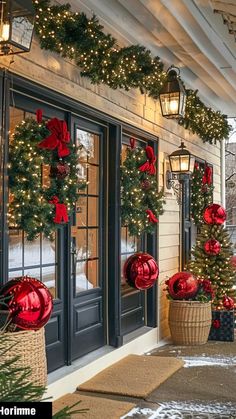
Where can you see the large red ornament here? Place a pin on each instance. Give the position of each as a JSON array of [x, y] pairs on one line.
[[212, 247], [228, 302], [29, 303], [182, 286], [214, 214], [141, 271]]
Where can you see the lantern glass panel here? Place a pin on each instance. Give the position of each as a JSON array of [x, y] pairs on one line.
[[184, 163], [175, 163], [22, 31], [182, 103], [170, 104], [192, 162]]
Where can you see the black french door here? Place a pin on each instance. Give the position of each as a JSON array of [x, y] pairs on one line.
[[88, 249]]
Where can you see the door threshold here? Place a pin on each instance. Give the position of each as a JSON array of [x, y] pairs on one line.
[[66, 379]]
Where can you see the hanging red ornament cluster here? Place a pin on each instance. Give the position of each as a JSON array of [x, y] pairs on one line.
[[212, 247], [60, 170], [214, 214], [29, 302], [182, 286], [228, 302], [141, 271]]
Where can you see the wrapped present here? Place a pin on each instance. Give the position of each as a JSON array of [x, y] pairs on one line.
[[222, 327]]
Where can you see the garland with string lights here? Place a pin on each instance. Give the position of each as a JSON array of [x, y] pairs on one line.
[[201, 192], [42, 177], [76, 37], [141, 203]]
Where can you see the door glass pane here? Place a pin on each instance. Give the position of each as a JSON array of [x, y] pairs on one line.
[[85, 238], [38, 258]]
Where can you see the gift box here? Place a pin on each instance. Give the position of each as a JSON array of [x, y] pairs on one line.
[[222, 327]]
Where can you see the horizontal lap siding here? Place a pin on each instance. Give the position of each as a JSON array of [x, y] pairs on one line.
[[140, 111]]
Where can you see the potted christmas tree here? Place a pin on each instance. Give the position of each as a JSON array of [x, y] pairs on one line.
[[212, 261], [190, 308]]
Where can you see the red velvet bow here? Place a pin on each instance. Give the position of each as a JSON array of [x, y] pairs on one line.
[[39, 115], [149, 165], [151, 216], [207, 177], [59, 137], [61, 215], [132, 142], [216, 324]]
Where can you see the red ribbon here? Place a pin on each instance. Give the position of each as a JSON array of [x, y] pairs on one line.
[[39, 115], [216, 324], [61, 215], [207, 177], [149, 165], [151, 216], [132, 142], [59, 137]]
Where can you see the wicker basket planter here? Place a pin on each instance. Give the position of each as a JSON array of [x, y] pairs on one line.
[[30, 347], [189, 322]]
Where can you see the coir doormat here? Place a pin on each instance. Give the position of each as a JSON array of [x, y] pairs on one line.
[[134, 376], [98, 408]]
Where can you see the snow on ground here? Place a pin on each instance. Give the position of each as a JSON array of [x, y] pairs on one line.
[[185, 410], [201, 361]]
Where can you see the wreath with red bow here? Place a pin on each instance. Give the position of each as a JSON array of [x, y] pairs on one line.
[[141, 203], [42, 176]]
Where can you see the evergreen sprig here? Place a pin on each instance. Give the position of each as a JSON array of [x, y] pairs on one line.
[[29, 207], [139, 192], [77, 37], [201, 195]]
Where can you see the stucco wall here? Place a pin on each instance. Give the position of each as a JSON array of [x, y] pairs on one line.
[[140, 111]]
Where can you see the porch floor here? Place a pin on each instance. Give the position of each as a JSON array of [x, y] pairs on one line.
[[203, 389]]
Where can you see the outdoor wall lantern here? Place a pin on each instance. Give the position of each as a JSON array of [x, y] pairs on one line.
[[16, 26], [172, 95], [181, 166]]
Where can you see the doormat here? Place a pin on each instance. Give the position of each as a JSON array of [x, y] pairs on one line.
[[98, 408], [134, 376]]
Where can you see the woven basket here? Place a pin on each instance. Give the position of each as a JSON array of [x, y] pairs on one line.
[[30, 347], [189, 322]]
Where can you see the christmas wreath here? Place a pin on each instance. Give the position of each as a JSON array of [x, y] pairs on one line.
[[201, 192], [42, 176], [141, 203]]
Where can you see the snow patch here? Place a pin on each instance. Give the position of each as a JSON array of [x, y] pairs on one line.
[[201, 361], [186, 410]]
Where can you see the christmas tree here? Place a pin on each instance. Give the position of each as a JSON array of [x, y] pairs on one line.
[[212, 255]]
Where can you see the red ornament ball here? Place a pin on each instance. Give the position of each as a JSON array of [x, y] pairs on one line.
[[212, 247], [182, 286], [228, 302], [141, 271], [214, 214], [145, 184], [29, 303], [233, 261], [60, 171]]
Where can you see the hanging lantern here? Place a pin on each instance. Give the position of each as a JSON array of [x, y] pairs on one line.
[[181, 161], [172, 95], [16, 26]]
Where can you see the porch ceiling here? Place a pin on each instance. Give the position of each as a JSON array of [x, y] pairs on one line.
[[186, 33]]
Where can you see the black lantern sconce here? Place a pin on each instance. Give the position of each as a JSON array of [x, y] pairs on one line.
[[181, 166], [172, 95], [16, 26]]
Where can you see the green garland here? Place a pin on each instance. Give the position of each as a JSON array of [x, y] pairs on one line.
[[139, 193], [201, 195], [75, 36], [29, 208]]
